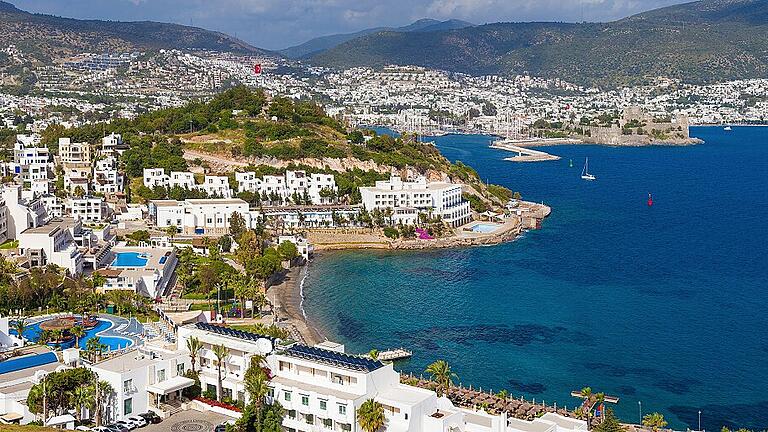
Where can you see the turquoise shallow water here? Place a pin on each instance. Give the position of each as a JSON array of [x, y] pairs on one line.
[[663, 305]]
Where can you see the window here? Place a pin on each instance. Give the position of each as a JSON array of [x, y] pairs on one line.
[[271, 392], [342, 409], [310, 419], [305, 400], [180, 369], [323, 405], [127, 406], [210, 388], [128, 386], [161, 375], [328, 423], [287, 396]]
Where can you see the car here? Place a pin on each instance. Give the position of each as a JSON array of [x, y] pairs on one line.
[[138, 421], [151, 417], [114, 427], [128, 425], [220, 428], [83, 429], [100, 429]]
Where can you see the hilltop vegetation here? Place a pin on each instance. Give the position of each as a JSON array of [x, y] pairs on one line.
[[243, 125], [706, 41]]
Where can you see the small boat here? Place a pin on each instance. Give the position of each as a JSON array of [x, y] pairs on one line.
[[570, 163], [650, 200], [585, 175], [727, 129]]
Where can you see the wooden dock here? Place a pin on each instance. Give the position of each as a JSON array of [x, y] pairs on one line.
[[395, 354]]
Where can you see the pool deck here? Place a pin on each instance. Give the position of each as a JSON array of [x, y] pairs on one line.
[[118, 323]]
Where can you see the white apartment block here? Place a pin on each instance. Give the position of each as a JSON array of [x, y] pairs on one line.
[[88, 209], [154, 177], [293, 182], [321, 388], [106, 177], [200, 216], [112, 145], [74, 153], [184, 180], [247, 182], [21, 213], [74, 179], [30, 161], [242, 346], [309, 216], [217, 186], [409, 198], [148, 378], [52, 244]]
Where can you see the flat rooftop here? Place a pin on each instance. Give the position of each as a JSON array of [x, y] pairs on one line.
[[132, 360]]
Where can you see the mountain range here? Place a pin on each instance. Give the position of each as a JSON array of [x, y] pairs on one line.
[[704, 41], [318, 45], [49, 37], [698, 42]]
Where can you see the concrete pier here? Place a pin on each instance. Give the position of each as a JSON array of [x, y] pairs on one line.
[[523, 154]]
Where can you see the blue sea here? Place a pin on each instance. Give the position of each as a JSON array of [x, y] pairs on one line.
[[663, 306]]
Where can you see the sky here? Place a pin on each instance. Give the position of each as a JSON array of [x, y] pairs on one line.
[[276, 24]]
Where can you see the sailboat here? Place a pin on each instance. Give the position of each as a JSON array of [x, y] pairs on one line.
[[585, 175]]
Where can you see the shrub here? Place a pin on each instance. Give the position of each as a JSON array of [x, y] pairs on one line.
[[392, 233]]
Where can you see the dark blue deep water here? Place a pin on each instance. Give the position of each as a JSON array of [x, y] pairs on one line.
[[663, 305]]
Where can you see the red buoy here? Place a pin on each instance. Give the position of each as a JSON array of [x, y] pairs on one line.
[[650, 200]]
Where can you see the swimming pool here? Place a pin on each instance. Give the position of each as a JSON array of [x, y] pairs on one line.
[[485, 228], [32, 333], [130, 259]]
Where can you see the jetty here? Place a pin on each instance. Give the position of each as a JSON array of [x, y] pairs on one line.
[[523, 154], [395, 354]]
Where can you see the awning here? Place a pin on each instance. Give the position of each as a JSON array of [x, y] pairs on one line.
[[170, 385], [60, 420], [11, 417]]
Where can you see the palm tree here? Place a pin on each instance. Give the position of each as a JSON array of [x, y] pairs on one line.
[[82, 397], [374, 354], [442, 374], [370, 415], [77, 331], [19, 325], [655, 421], [221, 352], [256, 381], [193, 346], [586, 394]]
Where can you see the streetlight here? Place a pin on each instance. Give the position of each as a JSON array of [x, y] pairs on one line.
[[640, 408]]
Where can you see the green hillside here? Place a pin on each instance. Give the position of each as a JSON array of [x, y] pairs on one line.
[[51, 37], [706, 41]]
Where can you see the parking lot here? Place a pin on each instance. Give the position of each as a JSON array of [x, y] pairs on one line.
[[187, 421]]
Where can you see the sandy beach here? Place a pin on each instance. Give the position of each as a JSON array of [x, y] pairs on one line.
[[286, 298]]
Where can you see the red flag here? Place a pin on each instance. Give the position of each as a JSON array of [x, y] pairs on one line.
[[257, 68]]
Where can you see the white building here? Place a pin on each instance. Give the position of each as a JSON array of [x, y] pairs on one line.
[[74, 153], [22, 214], [242, 346], [247, 182], [321, 388], [88, 208], [19, 376], [106, 177], [148, 378], [217, 186], [154, 177], [184, 180], [52, 244], [30, 160], [200, 216], [112, 145], [286, 186], [409, 198]]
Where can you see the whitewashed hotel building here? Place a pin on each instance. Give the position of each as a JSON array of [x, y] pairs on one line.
[[409, 198]]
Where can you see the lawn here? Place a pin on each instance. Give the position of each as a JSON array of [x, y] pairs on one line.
[[9, 244]]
